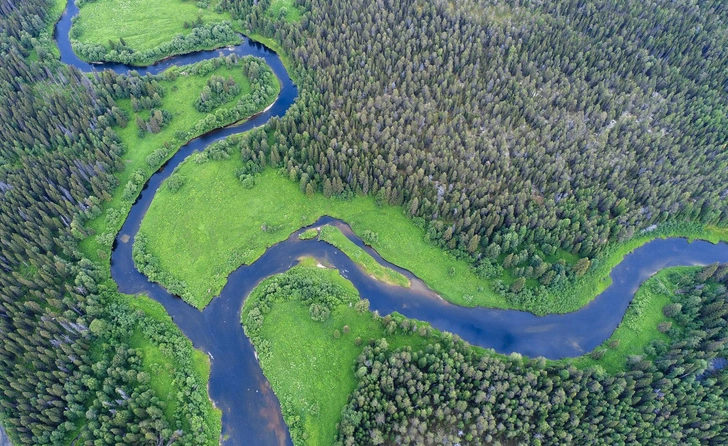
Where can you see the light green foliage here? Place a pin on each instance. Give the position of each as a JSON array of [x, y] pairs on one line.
[[310, 369], [179, 228], [142, 24], [334, 236], [309, 234]]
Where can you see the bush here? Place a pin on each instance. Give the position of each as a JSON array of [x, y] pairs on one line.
[[319, 312]]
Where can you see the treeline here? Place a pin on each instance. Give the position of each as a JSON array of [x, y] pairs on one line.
[[511, 128], [66, 368], [314, 289], [448, 394], [201, 37]]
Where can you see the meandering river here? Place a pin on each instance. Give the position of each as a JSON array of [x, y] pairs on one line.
[[251, 412]]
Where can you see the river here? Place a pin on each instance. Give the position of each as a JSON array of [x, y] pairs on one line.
[[251, 412]]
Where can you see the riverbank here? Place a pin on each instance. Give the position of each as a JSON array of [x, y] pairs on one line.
[[147, 152], [137, 32], [641, 324], [308, 357], [4, 440], [248, 221], [172, 372]]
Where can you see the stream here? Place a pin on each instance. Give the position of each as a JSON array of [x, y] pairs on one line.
[[237, 386]]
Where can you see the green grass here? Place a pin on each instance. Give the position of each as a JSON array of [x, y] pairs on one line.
[[179, 99], [334, 236], [143, 24], [310, 370], [285, 8], [180, 228], [212, 225], [639, 325], [161, 371], [309, 234], [597, 278]]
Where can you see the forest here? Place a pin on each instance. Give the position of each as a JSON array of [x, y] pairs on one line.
[[516, 134], [512, 131], [71, 357], [448, 393]]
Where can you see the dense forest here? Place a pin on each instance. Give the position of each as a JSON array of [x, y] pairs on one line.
[[68, 366], [508, 130], [512, 130], [448, 394]]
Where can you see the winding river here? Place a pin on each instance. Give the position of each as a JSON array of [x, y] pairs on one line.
[[251, 412]]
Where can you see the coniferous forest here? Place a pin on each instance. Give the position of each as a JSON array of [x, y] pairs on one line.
[[510, 131]]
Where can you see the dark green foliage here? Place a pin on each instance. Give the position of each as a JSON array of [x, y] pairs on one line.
[[672, 309], [511, 126], [66, 366], [319, 312], [217, 92], [450, 393]]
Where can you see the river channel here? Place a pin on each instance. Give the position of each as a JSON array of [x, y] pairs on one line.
[[251, 412]]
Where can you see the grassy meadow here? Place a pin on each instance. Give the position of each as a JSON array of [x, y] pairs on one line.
[[334, 236], [143, 24], [212, 225], [285, 9]]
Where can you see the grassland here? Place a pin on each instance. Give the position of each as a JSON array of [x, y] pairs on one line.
[[309, 367], [213, 224], [179, 98], [142, 24], [334, 236]]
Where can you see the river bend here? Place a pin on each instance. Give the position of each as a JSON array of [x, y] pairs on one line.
[[251, 412]]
